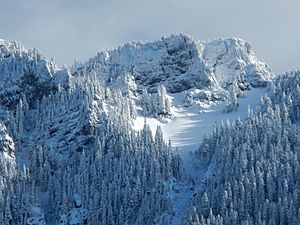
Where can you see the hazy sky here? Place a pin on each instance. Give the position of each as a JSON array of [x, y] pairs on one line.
[[73, 29]]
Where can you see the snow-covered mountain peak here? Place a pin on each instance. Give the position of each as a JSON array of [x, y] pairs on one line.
[[180, 63], [172, 61]]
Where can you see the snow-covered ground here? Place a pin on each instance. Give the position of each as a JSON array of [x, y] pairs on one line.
[[190, 124], [186, 130]]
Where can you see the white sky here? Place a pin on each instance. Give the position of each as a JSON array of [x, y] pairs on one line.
[[77, 29]]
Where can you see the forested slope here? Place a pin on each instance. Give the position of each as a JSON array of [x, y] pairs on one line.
[[253, 166]]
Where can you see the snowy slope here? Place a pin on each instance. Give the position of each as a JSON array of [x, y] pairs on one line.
[[186, 130], [189, 124]]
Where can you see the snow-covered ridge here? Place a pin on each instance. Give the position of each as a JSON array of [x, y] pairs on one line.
[[180, 63]]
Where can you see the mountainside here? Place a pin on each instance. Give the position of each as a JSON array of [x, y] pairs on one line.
[[88, 144]]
